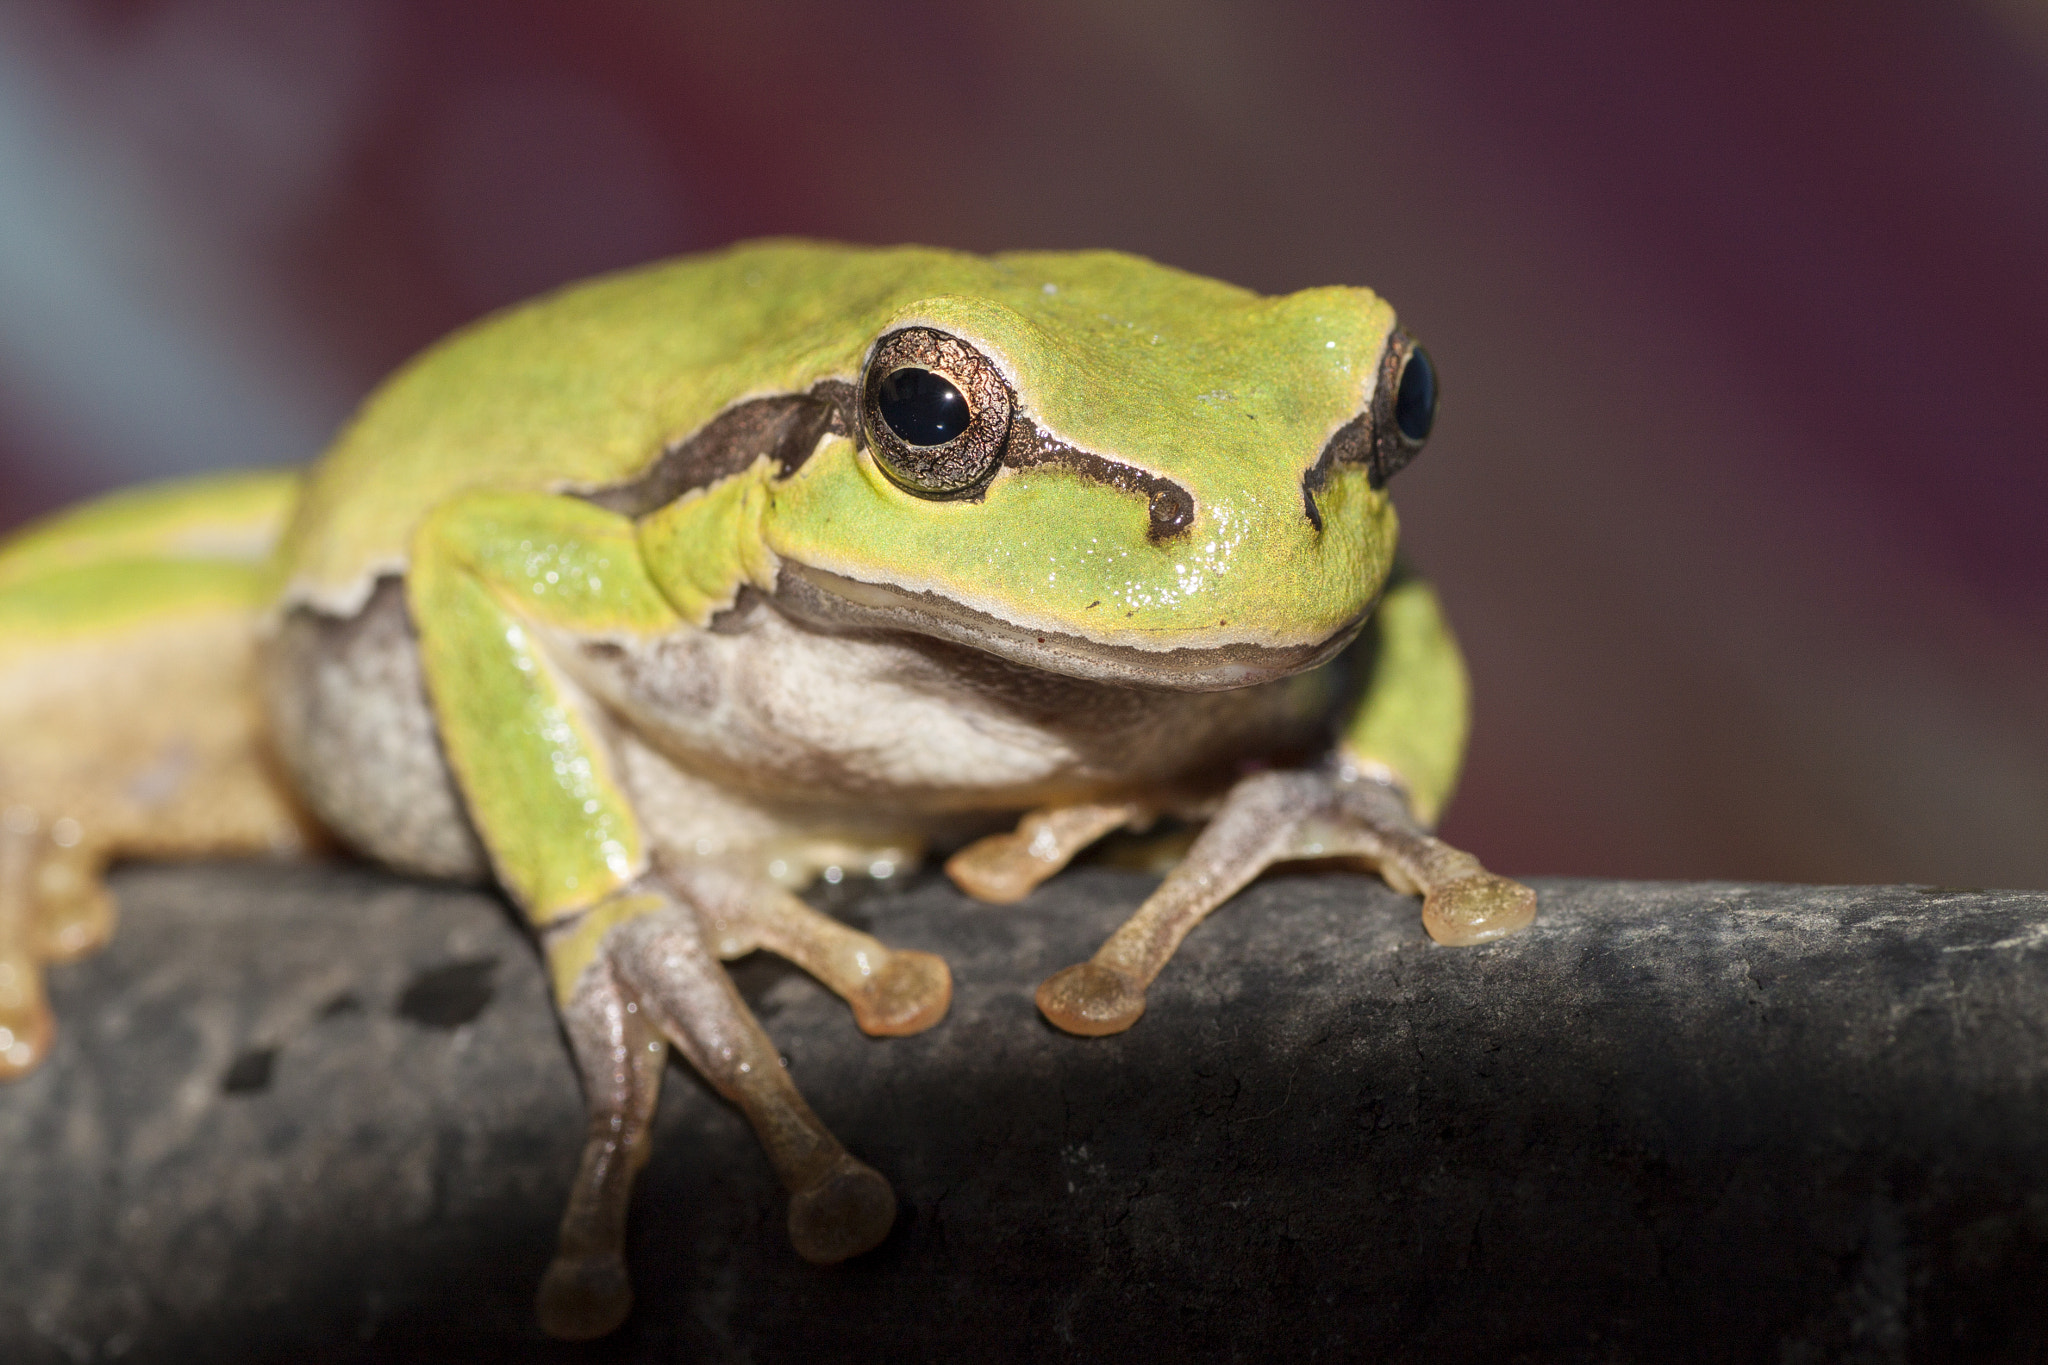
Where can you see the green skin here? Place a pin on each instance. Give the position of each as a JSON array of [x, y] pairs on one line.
[[1231, 394], [483, 474]]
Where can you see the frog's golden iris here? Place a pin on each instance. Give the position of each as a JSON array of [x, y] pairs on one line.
[[938, 412]]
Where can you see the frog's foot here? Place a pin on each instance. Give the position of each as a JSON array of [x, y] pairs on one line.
[[893, 992], [1005, 868], [838, 1206], [619, 1053], [1476, 908], [1092, 999], [656, 979], [74, 910], [27, 1029], [1274, 817], [1462, 903], [52, 908]]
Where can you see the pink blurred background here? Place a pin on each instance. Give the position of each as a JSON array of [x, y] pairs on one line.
[[1738, 497]]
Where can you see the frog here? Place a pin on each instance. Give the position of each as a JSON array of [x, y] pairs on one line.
[[653, 600]]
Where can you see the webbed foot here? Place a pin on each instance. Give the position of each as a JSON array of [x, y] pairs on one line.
[[53, 908], [653, 982]]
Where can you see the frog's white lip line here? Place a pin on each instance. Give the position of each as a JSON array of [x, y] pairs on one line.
[[823, 598]]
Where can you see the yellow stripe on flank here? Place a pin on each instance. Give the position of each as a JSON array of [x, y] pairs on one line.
[[230, 517]]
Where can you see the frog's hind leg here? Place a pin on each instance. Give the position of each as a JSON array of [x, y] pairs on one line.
[[1005, 868], [1269, 818], [654, 975], [137, 736]]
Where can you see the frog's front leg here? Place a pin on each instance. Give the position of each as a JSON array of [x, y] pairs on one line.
[[619, 1054], [1396, 760], [25, 1023], [643, 971], [494, 577], [1270, 818]]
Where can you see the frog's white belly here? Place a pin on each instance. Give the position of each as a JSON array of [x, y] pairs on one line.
[[766, 734], [788, 713]]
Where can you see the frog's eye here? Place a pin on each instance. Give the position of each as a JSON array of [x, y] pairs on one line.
[[936, 412], [1403, 407], [921, 406], [1415, 398]]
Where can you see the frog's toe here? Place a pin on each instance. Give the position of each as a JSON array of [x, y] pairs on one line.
[[998, 870], [907, 996], [847, 1212], [1004, 868], [585, 1297], [1091, 999], [74, 912], [27, 1032], [1477, 908]]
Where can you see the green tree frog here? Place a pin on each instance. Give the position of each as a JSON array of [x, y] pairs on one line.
[[653, 599]]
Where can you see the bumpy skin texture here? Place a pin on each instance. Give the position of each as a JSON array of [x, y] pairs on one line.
[[616, 600]]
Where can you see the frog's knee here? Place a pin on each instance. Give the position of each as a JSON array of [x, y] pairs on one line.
[[1091, 999]]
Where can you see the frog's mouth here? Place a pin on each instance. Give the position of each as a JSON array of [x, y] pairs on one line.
[[829, 601]]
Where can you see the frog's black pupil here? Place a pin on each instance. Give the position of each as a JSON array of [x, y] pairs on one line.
[[1415, 400], [922, 408]]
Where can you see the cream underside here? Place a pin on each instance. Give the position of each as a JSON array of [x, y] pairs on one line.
[[148, 741], [788, 748]]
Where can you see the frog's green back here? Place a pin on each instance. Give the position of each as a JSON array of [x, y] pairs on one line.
[[586, 387]]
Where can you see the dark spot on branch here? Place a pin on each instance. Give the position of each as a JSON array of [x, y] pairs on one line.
[[249, 1074], [448, 997]]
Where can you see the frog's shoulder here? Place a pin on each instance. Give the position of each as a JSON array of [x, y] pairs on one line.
[[587, 386]]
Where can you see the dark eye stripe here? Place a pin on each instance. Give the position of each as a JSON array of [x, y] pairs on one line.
[[1390, 433]]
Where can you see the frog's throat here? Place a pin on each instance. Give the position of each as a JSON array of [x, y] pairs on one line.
[[822, 599]]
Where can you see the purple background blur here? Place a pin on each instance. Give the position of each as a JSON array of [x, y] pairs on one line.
[[1738, 497]]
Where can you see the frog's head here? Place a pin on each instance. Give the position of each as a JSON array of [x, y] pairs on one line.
[[1101, 467]]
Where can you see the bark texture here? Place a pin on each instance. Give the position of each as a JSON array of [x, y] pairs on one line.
[[323, 1114]]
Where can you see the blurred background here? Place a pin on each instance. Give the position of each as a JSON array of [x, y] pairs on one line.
[[1738, 496]]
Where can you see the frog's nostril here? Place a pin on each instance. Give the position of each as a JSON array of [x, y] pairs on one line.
[[1173, 511]]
